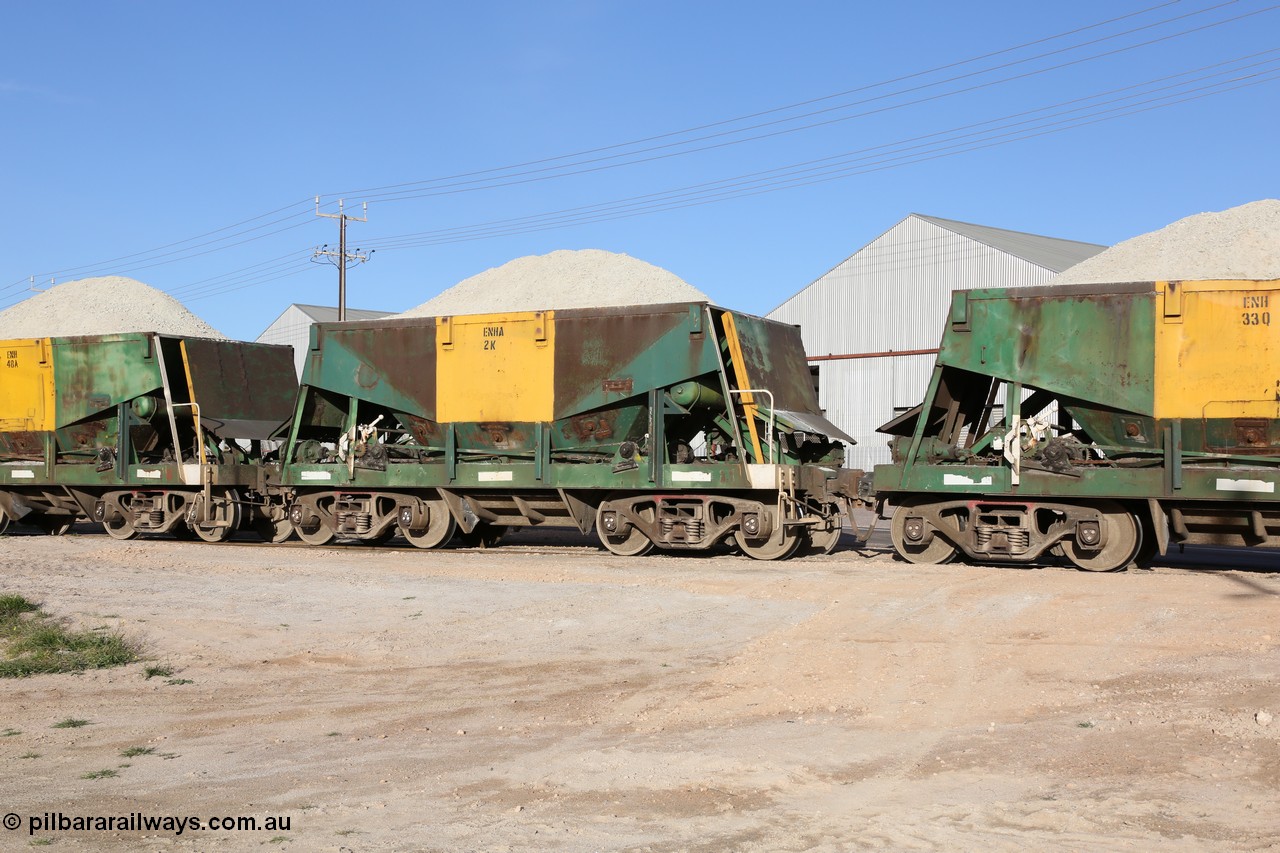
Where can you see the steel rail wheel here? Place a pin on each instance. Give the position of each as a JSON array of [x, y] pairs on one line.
[[273, 530], [633, 543], [225, 519], [823, 540], [4, 521], [317, 534], [939, 550], [1123, 539], [784, 542], [120, 528], [440, 527]]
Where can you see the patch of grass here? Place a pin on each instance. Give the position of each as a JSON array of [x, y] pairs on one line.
[[137, 750], [33, 643], [157, 671], [279, 839], [179, 681], [70, 723], [30, 755], [333, 734], [10, 733], [1084, 725], [15, 605], [99, 774], [40, 842]]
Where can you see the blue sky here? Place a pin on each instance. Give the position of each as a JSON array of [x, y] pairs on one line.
[[181, 144]]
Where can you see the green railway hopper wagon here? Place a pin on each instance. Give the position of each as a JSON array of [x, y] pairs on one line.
[[677, 426], [143, 432], [1099, 423]]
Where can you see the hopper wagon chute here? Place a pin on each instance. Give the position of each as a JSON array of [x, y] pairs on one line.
[[678, 426]]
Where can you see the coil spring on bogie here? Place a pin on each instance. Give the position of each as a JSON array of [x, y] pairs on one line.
[[1018, 538], [693, 528], [155, 518]]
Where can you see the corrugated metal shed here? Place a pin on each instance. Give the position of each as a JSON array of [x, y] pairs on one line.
[[865, 320], [293, 326]]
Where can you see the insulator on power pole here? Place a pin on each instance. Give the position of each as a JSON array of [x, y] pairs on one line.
[[343, 257]]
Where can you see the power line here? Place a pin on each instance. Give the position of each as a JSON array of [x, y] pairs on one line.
[[368, 192], [898, 154], [589, 212], [436, 187], [159, 256], [187, 249]]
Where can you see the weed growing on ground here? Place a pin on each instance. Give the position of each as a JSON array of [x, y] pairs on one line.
[[99, 774], [33, 643], [70, 723], [157, 671], [137, 750]]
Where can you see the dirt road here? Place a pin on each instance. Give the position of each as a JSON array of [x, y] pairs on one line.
[[542, 697]]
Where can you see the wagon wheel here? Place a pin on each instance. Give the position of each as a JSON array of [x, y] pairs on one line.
[[484, 535], [823, 539], [1123, 539], [315, 534], [4, 521], [633, 543], [440, 527], [273, 530], [784, 542], [226, 518], [939, 550], [120, 528]]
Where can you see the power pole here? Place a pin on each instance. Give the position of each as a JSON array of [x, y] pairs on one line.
[[341, 258]]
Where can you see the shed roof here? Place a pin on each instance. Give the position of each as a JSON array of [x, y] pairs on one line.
[[329, 314], [1052, 253]]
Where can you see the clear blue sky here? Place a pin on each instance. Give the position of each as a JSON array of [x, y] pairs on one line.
[[132, 127]]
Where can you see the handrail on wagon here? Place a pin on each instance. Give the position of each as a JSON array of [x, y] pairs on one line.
[[773, 455]]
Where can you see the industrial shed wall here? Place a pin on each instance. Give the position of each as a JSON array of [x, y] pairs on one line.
[[292, 328], [892, 295]]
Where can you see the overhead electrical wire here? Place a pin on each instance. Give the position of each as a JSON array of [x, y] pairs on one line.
[[399, 241], [1272, 75], [773, 110], [240, 235], [560, 171]]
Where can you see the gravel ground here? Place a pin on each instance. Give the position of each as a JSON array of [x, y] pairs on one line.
[[586, 278], [101, 306], [548, 696]]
